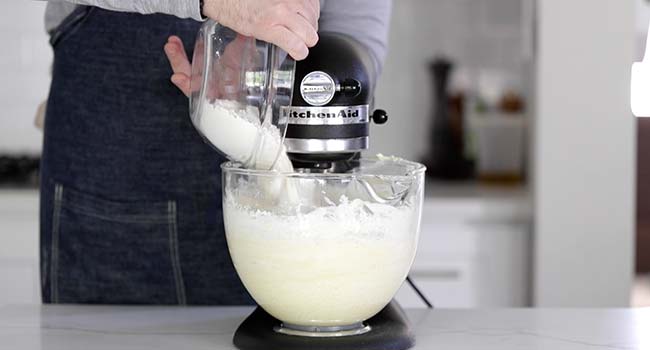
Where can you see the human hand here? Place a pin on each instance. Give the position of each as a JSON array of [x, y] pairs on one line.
[[181, 67], [225, 81], [290, 24]]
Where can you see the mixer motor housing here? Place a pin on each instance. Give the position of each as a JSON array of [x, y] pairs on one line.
[[328, 120]]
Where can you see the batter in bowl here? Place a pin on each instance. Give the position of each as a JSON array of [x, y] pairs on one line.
[[335, 265]]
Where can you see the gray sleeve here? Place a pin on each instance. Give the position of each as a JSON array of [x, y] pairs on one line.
[[178, 8], [365, 20]]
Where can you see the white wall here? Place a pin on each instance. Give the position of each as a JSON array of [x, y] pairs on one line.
[[642, 22], [476, 33], [25, 64], [485, 34], [585, 153]]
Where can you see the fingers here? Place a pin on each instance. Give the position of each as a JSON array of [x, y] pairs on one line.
[[182, 82], [316, 5], [294, 28], [311, 12], [303, 29], [237, 50], [289, 24], [177, 57], [177, 40], [287, 40], [180, 64]]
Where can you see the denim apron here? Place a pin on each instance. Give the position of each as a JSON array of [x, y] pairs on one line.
[[130, 194]]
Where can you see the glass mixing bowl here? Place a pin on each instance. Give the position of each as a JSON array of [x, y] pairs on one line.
[[321, 250], [238, 87]]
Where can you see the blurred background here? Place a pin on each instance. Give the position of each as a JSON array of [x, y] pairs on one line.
[[539, 188]]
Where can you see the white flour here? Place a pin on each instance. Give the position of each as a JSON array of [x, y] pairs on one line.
[[335, 265], [236, 131]]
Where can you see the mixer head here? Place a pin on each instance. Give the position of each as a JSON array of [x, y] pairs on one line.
[[329, 115]]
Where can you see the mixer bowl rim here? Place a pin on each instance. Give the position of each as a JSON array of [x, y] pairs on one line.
[[416, 169]]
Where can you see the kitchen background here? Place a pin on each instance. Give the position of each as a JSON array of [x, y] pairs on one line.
[[540, 207]]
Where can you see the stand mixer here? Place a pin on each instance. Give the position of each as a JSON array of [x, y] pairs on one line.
[[328, 119], [321, 237]]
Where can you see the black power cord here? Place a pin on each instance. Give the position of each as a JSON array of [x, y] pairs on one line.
[[419, 293]]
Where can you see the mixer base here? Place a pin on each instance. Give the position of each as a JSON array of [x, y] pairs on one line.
[[388, 330], [318, 332]]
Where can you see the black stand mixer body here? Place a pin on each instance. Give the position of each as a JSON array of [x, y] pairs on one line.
[[329, 115]]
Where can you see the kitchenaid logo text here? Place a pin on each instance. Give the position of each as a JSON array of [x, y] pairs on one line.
[[330, 115], [308, 114]]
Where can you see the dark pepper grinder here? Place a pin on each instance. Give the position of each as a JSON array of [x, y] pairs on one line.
[[445, 159]]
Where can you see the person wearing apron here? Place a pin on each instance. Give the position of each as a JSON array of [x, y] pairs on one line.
[[130, 193]]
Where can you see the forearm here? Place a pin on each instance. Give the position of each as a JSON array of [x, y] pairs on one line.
[[179, 8], [365, 20]]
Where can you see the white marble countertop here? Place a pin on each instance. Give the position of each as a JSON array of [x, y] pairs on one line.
[[70, 327]]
